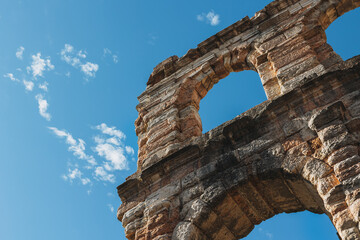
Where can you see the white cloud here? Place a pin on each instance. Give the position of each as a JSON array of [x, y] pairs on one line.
[[200, 17], [111, 208], [112, 131], [43, 107], [68, 48], [82, 54], [67, 55], [85, 181], [115, 58], [129, 150], [44, 86], [73, 58], [39, 65], [107, 52], [210, 18], [152, 38], [89, 69], [113, 141], [110, 146], [76, 174], [103, 175], [266, 233], [29, 85], [77, 147], [114, 155], [11, 76], [19, 52], [213, 18]]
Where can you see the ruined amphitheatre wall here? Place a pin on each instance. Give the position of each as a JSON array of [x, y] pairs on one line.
[[297, 151]]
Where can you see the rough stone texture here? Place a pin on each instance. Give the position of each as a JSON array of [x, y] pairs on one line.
[[297, 151]]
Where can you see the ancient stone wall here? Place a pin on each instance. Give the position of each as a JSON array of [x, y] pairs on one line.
[[297, 151]]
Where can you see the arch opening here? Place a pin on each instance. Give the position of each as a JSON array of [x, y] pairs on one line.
[[299, 226], [344, 33], [235, 94], [230, 208]]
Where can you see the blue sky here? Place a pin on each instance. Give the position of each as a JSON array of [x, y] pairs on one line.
[[70, 74]]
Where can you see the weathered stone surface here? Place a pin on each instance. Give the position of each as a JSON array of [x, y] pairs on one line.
[[285, 47], [297, 151], [187, 231]]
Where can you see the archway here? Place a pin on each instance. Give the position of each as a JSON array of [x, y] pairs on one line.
[[345, 32], [297, 226], [235, 200], [232, 96]]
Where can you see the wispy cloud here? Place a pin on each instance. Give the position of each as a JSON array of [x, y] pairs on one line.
[[103, 175], [107, 52], [111, 208], [115, 58], [39, 65], [68, 55], [11, 77], [110, 146], [77, 147], [112, 131], [82, 54], [267, 234], [19, 52], [43, 107], [73, 58], [152, 38], [89, 69], [211, 18], [76, 174], [44, 86], [129, 150], [29, 85], [113, 154]]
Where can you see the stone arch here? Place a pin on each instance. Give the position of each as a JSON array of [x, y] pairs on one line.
[[325, 13], [341, 34], [182, 104], [225, 211], [328, 11], [231, 202], [195, 87], [285, 43], [305, 137], [311, 147]]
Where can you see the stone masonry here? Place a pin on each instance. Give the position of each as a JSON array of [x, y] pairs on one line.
[[297, 151]]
